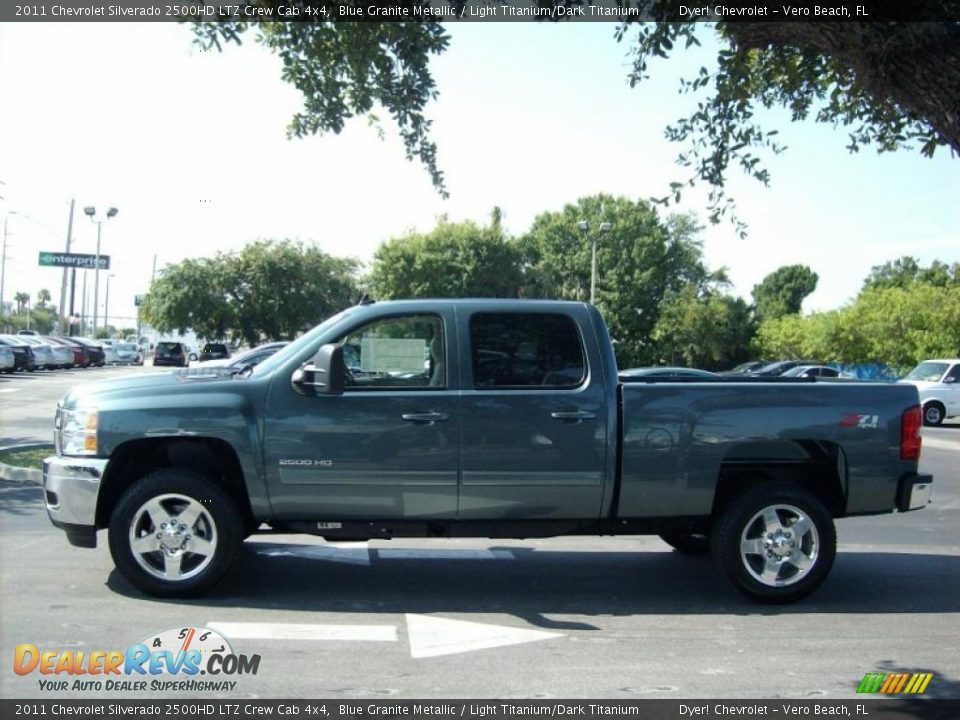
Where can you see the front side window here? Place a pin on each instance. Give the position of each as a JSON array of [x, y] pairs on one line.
[[398, 352], [526, 350]]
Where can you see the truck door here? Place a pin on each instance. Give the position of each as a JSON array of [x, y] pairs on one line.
[[534, 425], [951, 390], [388, 447]]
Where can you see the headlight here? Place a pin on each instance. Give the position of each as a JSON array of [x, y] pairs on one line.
[[76, 431]]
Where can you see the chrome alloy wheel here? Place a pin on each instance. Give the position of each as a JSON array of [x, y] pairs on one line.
[[173, 537], [779, 545]]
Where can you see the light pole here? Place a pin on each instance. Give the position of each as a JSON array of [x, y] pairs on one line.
[[91, 211], [3, 258], [106, 304], [604, 229]]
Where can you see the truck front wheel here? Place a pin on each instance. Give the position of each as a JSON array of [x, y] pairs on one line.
[[174, 533], [776, 543]]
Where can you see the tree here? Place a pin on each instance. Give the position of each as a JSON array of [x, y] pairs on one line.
[[269, 291], [345, 69], [640, 261], [906, 270], [452, 260], [891, 83], [22, 299], [709, 330], [782, 292], [43, 297]]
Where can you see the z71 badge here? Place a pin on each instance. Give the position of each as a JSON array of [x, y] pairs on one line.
[[865, 422]]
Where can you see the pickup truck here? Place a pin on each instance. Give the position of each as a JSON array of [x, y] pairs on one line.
[[476, 418]]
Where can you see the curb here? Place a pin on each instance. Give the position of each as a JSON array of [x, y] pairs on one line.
[[21, 475]]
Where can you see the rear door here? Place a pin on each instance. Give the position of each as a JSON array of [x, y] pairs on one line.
[[533, 416]]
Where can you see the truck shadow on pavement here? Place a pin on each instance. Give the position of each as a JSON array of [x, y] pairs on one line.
[[534, 584]]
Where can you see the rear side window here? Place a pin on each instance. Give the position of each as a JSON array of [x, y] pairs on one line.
[[526, 350]]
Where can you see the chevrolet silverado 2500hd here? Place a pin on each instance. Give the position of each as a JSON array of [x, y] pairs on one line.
[[476, 418]]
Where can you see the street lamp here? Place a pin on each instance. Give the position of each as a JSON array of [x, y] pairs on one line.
[[604, 229], [90, 211], [106, 304], [3, 258]]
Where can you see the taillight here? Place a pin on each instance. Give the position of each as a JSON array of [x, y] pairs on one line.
[[910, 424]]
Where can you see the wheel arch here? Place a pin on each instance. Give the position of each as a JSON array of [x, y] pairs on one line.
[[818, 466], [212, 458]]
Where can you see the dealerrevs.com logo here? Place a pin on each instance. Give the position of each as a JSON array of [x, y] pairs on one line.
[[171, 661]]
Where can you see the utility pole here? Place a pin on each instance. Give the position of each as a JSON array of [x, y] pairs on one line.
[[3, 258], [64, 326]]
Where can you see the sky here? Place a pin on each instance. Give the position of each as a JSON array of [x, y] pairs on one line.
[[191, 148]]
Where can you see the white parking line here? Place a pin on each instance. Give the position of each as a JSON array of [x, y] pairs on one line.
[[9, 390], [289, 631]]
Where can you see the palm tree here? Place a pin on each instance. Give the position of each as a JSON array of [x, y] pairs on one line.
[[21, 299], [43, 297]]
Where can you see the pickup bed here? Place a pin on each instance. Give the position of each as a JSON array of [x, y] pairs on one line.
[[476, 418]]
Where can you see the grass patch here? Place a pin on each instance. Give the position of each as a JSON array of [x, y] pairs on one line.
[[27, 457]]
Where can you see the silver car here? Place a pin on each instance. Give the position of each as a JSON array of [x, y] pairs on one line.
[[6, 359], [46, 355], [126, 353]]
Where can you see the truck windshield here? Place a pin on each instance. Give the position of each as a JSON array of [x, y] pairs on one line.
[[928, 372], [297, 346]]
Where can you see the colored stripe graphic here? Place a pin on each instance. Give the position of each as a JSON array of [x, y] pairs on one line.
[[895, 683], [870, 683]]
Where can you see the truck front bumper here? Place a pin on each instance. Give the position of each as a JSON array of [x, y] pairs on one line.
[[914, 491], [70, 489]]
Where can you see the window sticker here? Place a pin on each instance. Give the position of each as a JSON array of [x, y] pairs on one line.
[[392, 355]]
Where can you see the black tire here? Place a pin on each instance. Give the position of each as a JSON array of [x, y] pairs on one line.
[[775, 542], [686, 542], [214, 521], [934, 413]]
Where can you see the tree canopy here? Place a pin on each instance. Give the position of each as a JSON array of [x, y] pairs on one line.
[[452, 260], [269, 291], [783, 291], [888, 83]]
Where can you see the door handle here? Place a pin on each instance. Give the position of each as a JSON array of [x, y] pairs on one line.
[[428, 418], [575, 415]]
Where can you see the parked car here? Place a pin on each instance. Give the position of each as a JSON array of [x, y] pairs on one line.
[[249, 359], [6, 359], [776, 369], [22, 352], [744, 369], [938, 382], [214, 351], [94, 350], [170, 353], [665, 372], [43, 355], [127, 353], [62, 356], [80, 356], [808, 371]]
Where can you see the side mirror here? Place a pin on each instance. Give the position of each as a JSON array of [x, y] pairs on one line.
[[324, 374], [949, 379]]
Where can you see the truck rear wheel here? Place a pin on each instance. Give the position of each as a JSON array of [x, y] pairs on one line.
[[686, 542], [174, 533], [776, 543]]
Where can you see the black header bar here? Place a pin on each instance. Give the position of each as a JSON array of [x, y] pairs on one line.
[[480, 11]]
